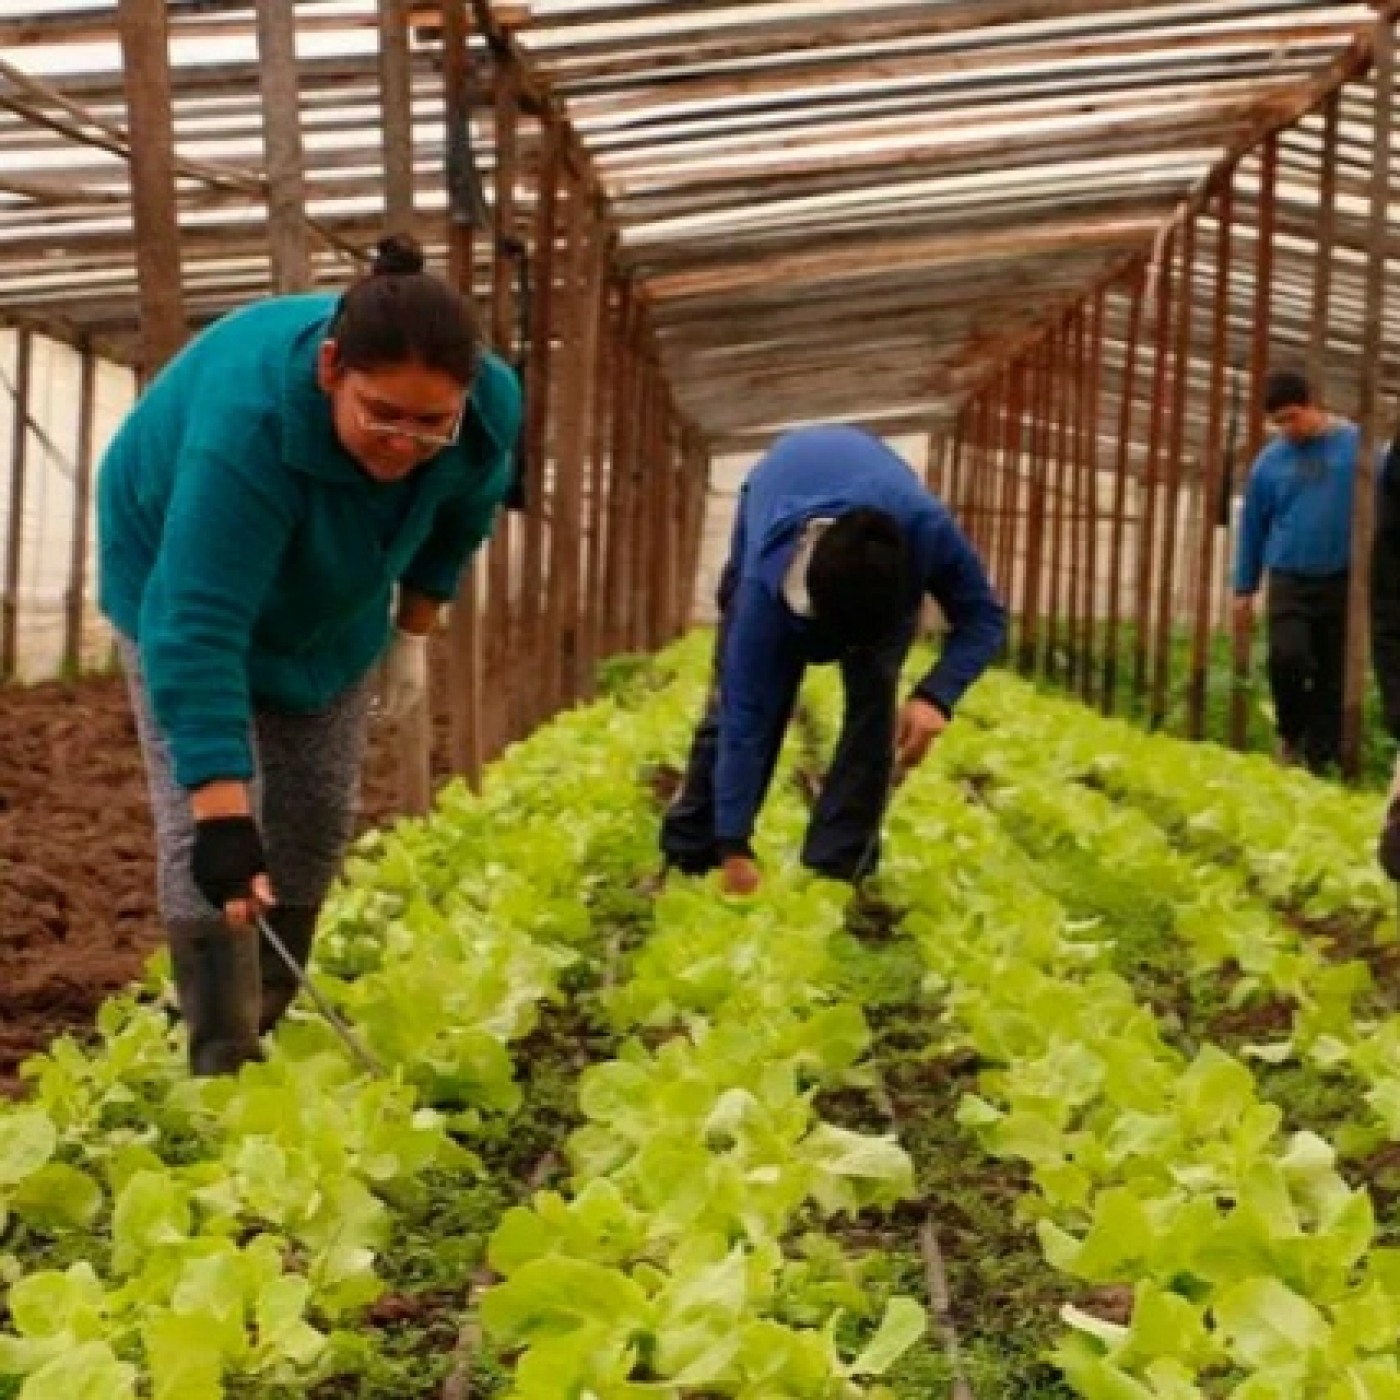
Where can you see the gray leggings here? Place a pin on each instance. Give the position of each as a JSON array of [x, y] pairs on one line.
[[304, 793]]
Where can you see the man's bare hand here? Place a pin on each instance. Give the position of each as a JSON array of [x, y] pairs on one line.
[[740, 875], [1243, 611], [920, 723]]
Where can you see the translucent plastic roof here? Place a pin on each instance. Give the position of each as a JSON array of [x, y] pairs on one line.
[[839, 208]]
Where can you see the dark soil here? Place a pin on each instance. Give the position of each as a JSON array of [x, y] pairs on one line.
[[77, 882]]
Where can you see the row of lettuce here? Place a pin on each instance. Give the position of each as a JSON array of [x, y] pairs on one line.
[[159, 1236], [163, 1237], [1254, 1265]]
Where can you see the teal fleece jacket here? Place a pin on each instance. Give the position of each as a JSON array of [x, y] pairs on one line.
[[249, 556]]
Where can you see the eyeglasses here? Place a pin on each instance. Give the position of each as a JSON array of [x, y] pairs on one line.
[[378, 426]]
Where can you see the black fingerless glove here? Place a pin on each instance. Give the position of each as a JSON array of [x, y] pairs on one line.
[[228, 854]]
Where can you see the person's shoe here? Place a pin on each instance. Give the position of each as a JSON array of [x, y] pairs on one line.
[[296, 927], [1287, 755], [216, 980]]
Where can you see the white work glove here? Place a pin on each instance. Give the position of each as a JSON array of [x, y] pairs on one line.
[[403, 684]]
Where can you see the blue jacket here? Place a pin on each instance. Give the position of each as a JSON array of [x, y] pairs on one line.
[[1297, 508], [814, 472], [246, 552]]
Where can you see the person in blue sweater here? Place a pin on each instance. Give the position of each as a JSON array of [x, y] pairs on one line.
[[1296, 529], [280, 518], [836, 543]]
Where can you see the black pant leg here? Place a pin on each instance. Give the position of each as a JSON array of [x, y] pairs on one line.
[[843, 837], [688, 828], [1322, 745], [1291, 662]]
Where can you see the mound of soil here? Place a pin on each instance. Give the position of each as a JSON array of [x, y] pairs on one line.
[[77, 879]]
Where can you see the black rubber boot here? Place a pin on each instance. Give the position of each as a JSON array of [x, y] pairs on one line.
[[296, 927], [216, 980]]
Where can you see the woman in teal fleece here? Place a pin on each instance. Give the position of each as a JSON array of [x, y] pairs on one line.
[[289, 503]]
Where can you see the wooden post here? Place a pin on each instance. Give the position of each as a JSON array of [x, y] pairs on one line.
[[1326, 246], [1011, 585], [1009, 477], [1132, 335], [501, 664], [697, 478], [647, 468], [82, 510], [531, 704], [1033, 578], [1053, 666], [953, 466], [1171, 485], [1148, 491], [621, 482], [290, 257], [1368, 400], [19, 462], [464, 620], [662, 542], [1214, 508], [1075, 351], [145, 45], [577, 316], [1242, 640], [1093, 391], [595, 628], [396, 108]]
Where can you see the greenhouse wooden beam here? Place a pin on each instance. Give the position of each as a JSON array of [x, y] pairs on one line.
[[823, 71], [1177, 443], [1326, 242], [1259, 351], [75, 600], [1118, 540], [154, 165], [599, 474], [877, 257], [1369, 401], [464, 644], [1213, 487], [396, 108], [708, 44], [83, 127], [15, 515], [541, 441], [557, 677], [1093, 408], [289, 256], [765, 171], [507, 291]]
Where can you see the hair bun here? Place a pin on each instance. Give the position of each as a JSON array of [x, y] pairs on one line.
[[398, 255]]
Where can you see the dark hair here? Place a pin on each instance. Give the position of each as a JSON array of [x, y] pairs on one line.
[[858, 577], [399, 313], [1286, 388]]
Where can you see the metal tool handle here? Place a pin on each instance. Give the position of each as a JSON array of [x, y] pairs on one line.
[[337, 1023]]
